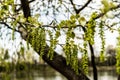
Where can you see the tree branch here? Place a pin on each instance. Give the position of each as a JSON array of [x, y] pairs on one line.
[[4, 23], [102, 14], [77, 11], [85, 5], [95, 75], [59, 64], [71, 1], [31, 1]]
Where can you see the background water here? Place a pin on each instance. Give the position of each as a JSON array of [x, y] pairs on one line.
[[105, 74], [47, 73]]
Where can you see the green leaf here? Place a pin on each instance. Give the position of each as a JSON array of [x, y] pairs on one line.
[[82, 21], [72, 35], [22, 50], [102, 57], [5, 7], [105, 3], [72, 17]]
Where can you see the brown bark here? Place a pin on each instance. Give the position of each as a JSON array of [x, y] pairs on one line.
[[58, 62], [95, 74], [118, 77], [25, 7]]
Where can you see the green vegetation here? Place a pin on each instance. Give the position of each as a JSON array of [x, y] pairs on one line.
[[24, 19]]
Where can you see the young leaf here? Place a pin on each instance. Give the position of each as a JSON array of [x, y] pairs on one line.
[[72, 35]]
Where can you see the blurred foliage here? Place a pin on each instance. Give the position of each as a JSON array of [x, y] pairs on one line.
[[118, 53]]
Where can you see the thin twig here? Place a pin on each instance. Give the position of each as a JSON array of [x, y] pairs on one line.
[[77, 11], [71, 1], [85, 5], [4, 23], [31, 1]]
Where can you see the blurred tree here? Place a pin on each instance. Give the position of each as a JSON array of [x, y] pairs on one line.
[[111, 55], [111, 50]]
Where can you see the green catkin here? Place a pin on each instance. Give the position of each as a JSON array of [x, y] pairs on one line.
[[88, 37], [37, 39], [118, 53], [102, 36]]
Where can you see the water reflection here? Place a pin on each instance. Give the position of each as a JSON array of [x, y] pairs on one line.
[[40, 73], [47, 73], [105, 74]]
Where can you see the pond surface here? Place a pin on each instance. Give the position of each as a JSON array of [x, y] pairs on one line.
[[47, 73], [105, 74]]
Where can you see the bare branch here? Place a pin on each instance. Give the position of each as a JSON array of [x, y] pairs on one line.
[[31, 1], [62, 26], [8, 26], [77, 11], [86, 4]]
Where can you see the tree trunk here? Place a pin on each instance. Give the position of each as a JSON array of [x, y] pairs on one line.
[[118, 77], [58, 62]]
